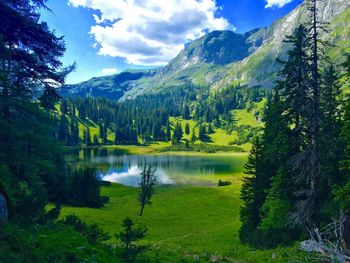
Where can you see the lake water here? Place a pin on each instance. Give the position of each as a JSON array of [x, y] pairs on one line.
[[120, 167]]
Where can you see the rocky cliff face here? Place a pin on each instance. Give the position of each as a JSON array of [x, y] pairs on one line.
[[260, 67], [221, 58]]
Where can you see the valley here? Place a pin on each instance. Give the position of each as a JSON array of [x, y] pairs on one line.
[[219, 144]]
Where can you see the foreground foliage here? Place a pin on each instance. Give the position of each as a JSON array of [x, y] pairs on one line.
[[298, 169]]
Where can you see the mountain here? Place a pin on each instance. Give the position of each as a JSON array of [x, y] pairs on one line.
[[223, 58]]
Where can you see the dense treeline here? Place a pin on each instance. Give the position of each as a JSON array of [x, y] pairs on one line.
[[147, 118], [297, 175]]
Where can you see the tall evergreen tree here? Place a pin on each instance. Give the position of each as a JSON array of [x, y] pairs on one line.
[[32, 167], [63, 131], [313, 210], [88, 137], [129, 236], [187, 128], [250, 215], [193, 136], [168, 131]]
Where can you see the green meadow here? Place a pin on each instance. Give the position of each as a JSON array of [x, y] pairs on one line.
[[186, 223]]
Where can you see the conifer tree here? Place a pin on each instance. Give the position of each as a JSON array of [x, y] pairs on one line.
[[313, 207], [129, 236], [30, 71], [63, 131], [168, 131], [185, 112], [178, 134], [250, 211], [96, 141], [88, 137], [202, 136], [187, 128], [193, 136]]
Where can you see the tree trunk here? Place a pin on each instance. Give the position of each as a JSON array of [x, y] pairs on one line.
[[313, 220], [142, 207]]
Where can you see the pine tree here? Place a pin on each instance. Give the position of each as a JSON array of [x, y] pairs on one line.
[[210, 129], [331, 146], [202, 136], [185, 112], [178, 134], [342, 194], [313, 213], [193, 136], [31, 160], [88, 137], [63, 131], [168, 131], [96, 141], [295, 79], [64, 106], [187, 128], [250, 211], [129, 236]]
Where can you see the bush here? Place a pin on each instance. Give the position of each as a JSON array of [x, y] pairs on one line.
[[105, 183], [129, 238], [246, 134], [92, 232], [268, 239], [203, 147], [85, 188], [223, 183]]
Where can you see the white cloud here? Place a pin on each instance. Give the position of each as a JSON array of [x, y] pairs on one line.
[[150, 32], [109, 71], [271, 3]]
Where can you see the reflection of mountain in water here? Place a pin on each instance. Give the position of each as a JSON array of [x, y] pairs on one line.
[[131, 176], [117, 166]]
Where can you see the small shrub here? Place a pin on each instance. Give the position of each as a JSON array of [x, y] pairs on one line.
[[223, 183], [105, 183], [92, 232], [129, 236]]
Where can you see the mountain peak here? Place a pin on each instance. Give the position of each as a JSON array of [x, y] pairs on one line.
[[218, 47], [220, 58]]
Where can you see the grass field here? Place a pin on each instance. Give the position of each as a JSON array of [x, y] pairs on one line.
[[185, 223]]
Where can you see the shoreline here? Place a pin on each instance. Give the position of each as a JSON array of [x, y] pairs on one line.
[[159, 150]]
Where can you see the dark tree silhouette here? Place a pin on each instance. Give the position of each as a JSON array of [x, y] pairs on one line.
[[147, 184]]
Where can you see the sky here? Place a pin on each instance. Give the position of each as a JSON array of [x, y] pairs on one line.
[[108, 36]]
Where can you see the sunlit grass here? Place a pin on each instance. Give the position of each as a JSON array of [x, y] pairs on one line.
[[182, 221]]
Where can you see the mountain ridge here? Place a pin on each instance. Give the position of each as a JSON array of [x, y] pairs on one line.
[[218, 59]]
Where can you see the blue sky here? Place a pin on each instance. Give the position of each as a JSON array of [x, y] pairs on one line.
[[108, 36]]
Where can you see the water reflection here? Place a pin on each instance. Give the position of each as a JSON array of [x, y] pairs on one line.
[[117, 166], [131, 176]]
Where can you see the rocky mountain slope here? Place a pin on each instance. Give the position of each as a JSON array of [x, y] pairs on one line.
[[222, 58]]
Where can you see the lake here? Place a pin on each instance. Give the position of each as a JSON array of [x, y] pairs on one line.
[[116, 165]]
